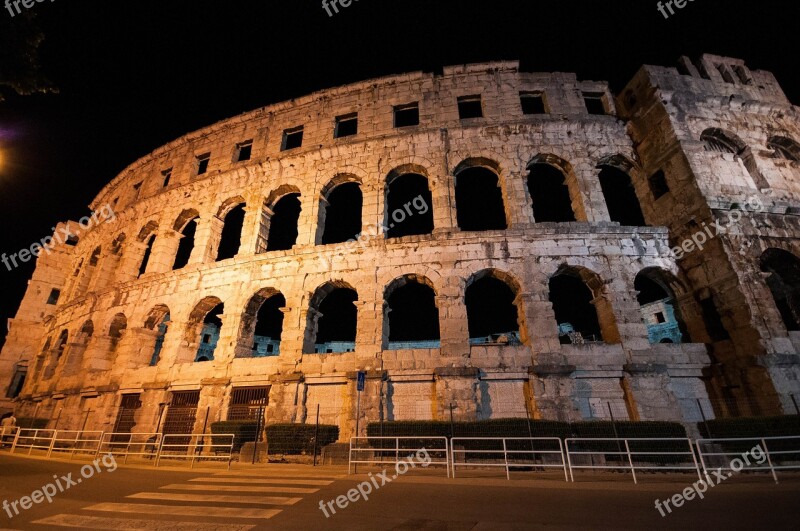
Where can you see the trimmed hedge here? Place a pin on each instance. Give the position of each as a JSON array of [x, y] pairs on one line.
[[32, 423], [243, 430], [781, 426], [299, 438]]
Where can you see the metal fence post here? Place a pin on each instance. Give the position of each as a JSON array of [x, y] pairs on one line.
[[630, 460], [505, 457], [769, 460], [16, 438], [569, 460], [52, 443], [703, 415], [316, 437]]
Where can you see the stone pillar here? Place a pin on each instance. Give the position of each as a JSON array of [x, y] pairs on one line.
[[374, 198], [164, 250], [308, 220], [443, 192], [104, 271], [540, 318], [206, 240], [369, 329], [457, 386], [130, 262], [453, 322], [251, 228], [519, 210], [588, 201]]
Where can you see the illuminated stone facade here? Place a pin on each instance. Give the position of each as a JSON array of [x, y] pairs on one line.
[[538, 186]]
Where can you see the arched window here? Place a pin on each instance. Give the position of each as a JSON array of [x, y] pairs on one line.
[[479, 198], [575, 305], [547, 185], [279, 220], [784, 148], [411, 318], [332, 319], [147, 236], [231, 238], [660, 311], [187, 226], [206, 318], [340, 211], [158, 321], [492, 314], [58, 353], [619, 193], [409, 204], [262, 325], [783, 280], [719, 141], [118, 326]]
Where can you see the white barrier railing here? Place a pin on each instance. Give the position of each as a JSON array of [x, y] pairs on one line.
[[7, 435], [393, 454], [33, 439], [725, 451], [75, 442], [514, 457], [130, 444], [621, 448], [196, 447]]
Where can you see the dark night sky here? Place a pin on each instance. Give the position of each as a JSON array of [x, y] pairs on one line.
[[134, 75]]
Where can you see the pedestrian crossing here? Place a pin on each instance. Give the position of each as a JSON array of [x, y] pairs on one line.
[[239, 499]]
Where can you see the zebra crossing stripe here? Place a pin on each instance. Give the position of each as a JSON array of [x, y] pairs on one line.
[[133, 524], [215, 498], [315, 482], [240, 488], [205, 511]]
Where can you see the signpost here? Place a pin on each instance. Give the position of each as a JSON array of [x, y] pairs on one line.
[[361, 381]]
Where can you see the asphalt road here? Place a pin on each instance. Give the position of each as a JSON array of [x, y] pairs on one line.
[[289, 496]]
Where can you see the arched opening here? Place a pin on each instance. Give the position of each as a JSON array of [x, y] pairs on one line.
[[479, 199], [187, 226], [783, 280], [719, 141], [333, 319], [620, 195], [207, 316], [409, 203], [784, 148], [547, 185], [411, 318], [574, 308], [85, 333], [283, 218], [262, 325], [340, 212], [231, 238], [118, 325], [158, 321], [660, 311], [148, 236], [57, 354], [492, 314]]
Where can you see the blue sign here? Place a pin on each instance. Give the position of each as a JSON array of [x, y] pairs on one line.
[[362, 379]]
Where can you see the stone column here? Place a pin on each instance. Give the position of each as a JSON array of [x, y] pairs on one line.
[[206, 240], [519, 209], [130, 262], [164, 250], [369, 328], [453, 323], [251, 228]]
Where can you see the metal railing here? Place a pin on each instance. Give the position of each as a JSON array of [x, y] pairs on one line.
[[508, 452], [196, 447], [7, 435], [616, 454], [33, 439], [378, 453], [130, 444], [75, 442], [720, 454]]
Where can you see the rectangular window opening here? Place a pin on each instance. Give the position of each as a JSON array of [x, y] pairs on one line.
[[202, 163], [346, 125], [658, 184], [167, 176], [406, 115], [533, 103], [292, 138], [54, 295], [470, 107], [595, 103], [244, 151]]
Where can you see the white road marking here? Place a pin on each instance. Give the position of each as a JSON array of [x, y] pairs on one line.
[[133, 524], [215, 498], [253, 481], [221, 512], [240, 488]]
